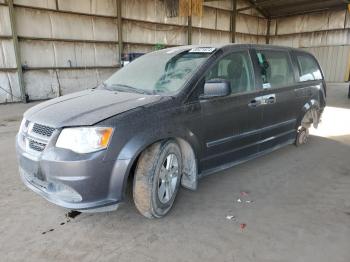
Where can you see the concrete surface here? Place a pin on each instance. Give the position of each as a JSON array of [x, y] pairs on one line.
[[301, 209]]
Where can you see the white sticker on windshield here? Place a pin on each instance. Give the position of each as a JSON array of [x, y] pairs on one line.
[[266, 85], [202, 50]]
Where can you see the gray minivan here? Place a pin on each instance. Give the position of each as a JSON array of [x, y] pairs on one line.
[[165, 120]]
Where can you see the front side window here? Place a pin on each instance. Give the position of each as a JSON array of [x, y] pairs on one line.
[[275, 68], [309, 69], [161, 72], [237, 69]]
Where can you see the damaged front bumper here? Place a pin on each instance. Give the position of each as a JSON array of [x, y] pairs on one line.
[[74, 181]]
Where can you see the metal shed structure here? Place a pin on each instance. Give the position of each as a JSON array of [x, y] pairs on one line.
[[54, 47]]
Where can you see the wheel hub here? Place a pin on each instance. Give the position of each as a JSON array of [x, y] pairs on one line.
[[168, 177]]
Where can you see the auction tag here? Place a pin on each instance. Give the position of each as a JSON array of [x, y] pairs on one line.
[[266, 85], [202, 50]]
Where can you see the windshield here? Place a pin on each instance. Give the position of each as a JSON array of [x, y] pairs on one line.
[[160, 72]]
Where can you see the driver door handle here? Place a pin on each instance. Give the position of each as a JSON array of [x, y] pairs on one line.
[[262, 100]]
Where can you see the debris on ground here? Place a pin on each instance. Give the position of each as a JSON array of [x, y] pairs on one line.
[[73, 214], [244, 196], [243, 226], [43, 233], [242, 199], [230, 217], [70, 215]]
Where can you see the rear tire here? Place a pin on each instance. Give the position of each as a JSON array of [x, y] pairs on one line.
[[157, 179], [302, 136], [309, 119]]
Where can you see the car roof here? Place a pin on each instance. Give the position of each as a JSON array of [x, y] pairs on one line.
[[221, 46], [225, 46], [255, 46]]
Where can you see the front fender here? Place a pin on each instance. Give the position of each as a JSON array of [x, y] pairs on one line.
[[140, 141]]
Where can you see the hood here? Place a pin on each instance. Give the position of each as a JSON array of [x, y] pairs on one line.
[[86, 107]]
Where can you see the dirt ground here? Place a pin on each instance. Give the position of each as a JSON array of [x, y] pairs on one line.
[[300, 209]]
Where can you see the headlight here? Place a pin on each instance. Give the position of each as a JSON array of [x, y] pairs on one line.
[[24, 126], [22, 131], [85, 139]]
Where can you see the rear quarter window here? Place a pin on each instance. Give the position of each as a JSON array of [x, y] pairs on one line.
[[308, 68]]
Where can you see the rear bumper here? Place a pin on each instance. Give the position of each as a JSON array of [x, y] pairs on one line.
[[74, 181]]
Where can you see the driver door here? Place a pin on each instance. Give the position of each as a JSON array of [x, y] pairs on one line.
[[231, 123]]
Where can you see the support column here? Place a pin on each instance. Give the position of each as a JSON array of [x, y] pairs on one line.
[[233, 21], [17, 51], [189, 30], [120, 30], [268, 31]]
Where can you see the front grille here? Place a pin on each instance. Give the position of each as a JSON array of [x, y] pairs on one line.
[[37, 146], [35, 137], [42, 130]]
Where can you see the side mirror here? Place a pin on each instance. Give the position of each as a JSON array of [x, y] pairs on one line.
[[216, 88]]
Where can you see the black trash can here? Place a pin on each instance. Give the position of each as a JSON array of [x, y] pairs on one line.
[[127, 58]]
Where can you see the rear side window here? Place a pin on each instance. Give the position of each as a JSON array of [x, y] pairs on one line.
[[275, 68], [237, 69], [309, 69]]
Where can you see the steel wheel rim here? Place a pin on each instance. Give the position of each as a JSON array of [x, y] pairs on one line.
[[167, 179], [303, 137]]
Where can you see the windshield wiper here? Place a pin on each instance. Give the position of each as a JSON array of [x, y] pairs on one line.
[[121, 87], [101, 85]]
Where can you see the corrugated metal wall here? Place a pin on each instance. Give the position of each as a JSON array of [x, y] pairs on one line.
[[65, 46], [325, 28], [9, 81], [325, 34], [70, 45], [334, 61]]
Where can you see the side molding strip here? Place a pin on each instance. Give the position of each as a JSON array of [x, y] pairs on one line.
[[246, 134]]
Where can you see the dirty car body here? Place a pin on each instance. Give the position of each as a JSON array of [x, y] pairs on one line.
[[214, 131]]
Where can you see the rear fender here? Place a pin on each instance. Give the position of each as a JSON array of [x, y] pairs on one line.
[[309, 115]]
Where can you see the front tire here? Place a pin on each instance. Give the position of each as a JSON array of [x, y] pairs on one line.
[[157, 179]]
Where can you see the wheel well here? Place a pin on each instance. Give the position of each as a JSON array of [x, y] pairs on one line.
[[189, 161], [130, 179], [310, 117]]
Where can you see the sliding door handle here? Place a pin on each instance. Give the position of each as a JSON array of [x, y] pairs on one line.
[[270, 100]]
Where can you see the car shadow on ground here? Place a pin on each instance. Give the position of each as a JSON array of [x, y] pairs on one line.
[[259, 176]]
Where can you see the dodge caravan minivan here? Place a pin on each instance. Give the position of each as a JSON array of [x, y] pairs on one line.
[[167, 119]]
